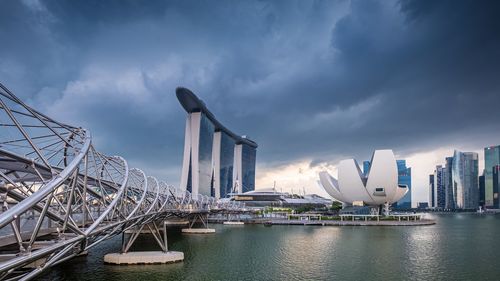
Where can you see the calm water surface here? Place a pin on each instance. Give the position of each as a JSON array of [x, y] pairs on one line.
[[458, 247]]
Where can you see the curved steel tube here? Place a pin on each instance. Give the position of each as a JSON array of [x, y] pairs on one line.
[[71, 190]]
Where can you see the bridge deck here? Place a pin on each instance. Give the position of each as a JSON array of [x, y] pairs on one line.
[[10, 239]]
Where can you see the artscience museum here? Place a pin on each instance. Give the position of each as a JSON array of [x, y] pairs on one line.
[[379, 186]]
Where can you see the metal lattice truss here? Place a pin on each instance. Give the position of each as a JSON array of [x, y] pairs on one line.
[[61, 197]]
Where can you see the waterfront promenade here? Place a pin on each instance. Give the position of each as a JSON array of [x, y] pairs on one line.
[[354, 223], [343, 220]]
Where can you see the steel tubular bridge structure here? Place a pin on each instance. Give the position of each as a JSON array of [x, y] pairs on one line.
[[60, 196]]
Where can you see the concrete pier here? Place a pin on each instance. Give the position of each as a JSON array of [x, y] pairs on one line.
[[198, 230], [144, 257]]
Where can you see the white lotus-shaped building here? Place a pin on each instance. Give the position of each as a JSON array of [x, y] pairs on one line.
[[379, 187]]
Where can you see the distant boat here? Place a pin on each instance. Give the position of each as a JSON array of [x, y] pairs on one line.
[[268, 223]]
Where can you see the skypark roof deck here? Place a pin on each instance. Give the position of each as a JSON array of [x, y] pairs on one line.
[[192, 103]]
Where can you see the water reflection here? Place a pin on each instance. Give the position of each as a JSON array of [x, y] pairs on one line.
[[458, 247]]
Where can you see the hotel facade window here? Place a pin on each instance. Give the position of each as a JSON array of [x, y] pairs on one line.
[[248, 168], [226, 164], [205, 155]]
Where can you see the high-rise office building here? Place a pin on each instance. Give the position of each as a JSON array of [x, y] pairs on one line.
[[404, 178], [481, 191], [448, 184], [431, 192], [439, 187], [491, 159], [465, 179], [496, 186], [216, 160]]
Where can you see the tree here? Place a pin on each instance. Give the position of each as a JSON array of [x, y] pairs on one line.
[[336, 206]]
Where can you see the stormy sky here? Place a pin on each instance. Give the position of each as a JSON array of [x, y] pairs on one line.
[[312, 82]]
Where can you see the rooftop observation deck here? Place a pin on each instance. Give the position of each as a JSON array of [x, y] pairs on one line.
[[192, 103]]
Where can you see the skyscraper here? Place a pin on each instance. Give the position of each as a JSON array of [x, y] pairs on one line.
[[439, 187], [496, 186], [404, 178], [491, 159], [448, 184], [481, 190], [431, 192], [465, 179]]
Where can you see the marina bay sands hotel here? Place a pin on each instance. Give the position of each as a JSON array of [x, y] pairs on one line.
[[216, 161]]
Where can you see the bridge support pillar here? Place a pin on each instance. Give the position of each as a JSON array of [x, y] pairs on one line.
[[233, 219], [146, 257], [200, 219]]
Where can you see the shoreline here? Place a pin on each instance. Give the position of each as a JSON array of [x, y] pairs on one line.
[[337, 222], [355, 223]]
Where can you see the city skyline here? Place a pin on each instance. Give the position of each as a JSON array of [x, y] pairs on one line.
[[249, 140], [311, 82]]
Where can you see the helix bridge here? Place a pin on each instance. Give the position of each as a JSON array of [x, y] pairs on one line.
[[61, 197]]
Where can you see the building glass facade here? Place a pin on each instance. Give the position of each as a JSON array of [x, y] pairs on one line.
[[226, 164], [210, 165], [431, 191], [366, 167], [466, 179], [189, 185], [205, 155], [404, 178], [491, 159], [496, 186], [439, 185], [448, 184], [481, 191], [248, 158]]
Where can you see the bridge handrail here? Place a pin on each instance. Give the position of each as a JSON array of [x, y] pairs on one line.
[[21, 207]]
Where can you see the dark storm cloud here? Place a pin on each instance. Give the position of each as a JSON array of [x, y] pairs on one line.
[[404, 75], [315, 80]]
